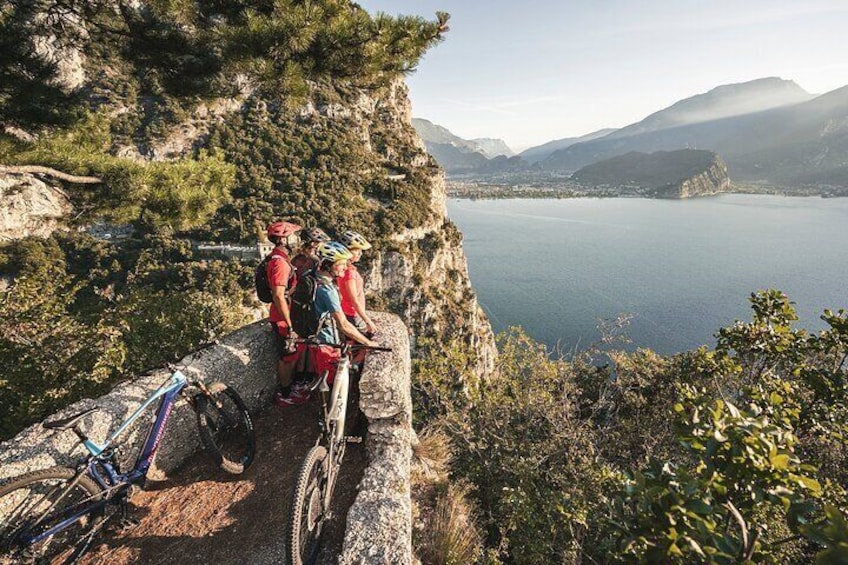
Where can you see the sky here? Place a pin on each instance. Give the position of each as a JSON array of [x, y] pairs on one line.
[[533, 71]]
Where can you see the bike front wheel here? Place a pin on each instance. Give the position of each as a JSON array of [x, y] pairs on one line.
[[36, 503], [226, 428], [307, 512]]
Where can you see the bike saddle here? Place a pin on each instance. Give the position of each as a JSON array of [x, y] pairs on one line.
[[70, 422]]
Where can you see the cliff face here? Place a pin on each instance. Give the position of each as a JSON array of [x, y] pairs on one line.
[[711, 181], [418, 271], [28, 206], [417, 268], [425, 279]]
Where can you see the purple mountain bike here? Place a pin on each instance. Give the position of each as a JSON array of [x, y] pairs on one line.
[[52, 515]]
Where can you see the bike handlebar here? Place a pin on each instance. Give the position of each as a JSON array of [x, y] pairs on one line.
[[342, 346]]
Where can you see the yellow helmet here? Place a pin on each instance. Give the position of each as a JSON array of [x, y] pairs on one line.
[[354, 240], [333, 251]]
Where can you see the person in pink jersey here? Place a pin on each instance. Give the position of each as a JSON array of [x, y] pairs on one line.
[[352, 286]]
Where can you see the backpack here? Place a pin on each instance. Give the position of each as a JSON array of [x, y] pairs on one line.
[[302, 309], [260, 279]]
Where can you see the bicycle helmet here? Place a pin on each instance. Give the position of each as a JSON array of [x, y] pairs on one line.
[[333, 251], [315, 235], [354, 240], [282, 229]]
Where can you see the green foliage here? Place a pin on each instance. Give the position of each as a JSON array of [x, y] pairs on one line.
[[30, 92], [81, 314], [728, 456], [195, 49], [520, 441], [316, 171], [176, 194]]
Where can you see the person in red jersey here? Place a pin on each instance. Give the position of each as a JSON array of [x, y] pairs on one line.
[[282, 278]]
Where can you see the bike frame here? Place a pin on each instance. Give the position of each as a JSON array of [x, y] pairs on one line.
[[100, 468], [338, 398]]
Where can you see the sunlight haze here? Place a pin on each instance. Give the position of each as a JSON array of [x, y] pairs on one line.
[[532, 72]]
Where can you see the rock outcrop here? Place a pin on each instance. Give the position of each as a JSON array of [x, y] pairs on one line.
[[28, 206], [379, 523], [713, 180], [664, 174]]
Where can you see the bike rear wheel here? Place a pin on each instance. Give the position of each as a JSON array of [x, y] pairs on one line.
[[307, 512], [38, 501], [226, 428]]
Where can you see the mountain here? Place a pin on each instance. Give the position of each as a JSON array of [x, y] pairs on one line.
[[230, 155], [721, 102], [436, 134], [792, 145], [665, 174], [456, 159], [540, 152], [491, 147], [455, 154]]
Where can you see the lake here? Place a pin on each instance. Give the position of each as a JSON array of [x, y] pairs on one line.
[[685, 268]]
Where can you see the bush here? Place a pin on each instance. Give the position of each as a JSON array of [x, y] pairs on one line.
[[709, 456], [81, 314]]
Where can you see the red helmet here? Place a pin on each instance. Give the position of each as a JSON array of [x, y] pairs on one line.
[[282, 229]]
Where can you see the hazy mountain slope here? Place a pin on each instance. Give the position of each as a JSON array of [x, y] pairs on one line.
[[492, 147], [721, 102], [455, 154], [540, 152], [802, 143], [454, 159], [434, 133]]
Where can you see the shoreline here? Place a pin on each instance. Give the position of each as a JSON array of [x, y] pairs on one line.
[[568, 195]]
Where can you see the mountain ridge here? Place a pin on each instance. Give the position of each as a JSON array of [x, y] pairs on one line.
[[804, 143]]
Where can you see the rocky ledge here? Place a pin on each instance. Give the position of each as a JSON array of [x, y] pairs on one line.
[[379, 523]]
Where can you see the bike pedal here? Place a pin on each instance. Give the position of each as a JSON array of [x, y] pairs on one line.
[[353, 439]]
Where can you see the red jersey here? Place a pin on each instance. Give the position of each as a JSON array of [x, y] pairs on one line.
[[351, 274], [280, 273]]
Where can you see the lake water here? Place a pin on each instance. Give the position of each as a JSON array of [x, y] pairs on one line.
[[684, 267]]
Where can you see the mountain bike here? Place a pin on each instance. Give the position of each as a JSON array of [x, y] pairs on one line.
[[312, 490], [54, 514]]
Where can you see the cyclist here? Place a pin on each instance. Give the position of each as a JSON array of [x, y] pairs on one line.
[[333, 325], [351, 284], [305, 258], [282, 279]]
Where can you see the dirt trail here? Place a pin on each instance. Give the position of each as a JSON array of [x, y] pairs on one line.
[[203, 515]]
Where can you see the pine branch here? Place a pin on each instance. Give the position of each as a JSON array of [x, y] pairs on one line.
[[38, 170]]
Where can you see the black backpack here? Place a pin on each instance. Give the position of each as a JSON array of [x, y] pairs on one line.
[[302, 309], [260, 280]]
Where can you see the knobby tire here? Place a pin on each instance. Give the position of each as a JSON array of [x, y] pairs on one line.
[[306, 515], [22, 504], [229, 436]]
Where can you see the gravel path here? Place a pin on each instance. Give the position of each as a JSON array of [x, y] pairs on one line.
[[203, 515]]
